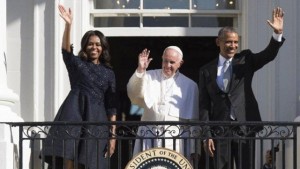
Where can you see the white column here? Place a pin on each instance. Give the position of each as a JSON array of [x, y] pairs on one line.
[[298, 143], [8, 136]]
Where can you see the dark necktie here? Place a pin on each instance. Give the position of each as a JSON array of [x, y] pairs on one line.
[[226, 81]]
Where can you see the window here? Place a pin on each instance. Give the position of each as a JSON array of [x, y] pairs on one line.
[[164, 13]]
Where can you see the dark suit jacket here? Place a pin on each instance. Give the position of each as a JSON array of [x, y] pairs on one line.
[[215, 104]]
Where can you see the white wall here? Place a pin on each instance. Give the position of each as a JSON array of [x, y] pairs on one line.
[[35, 67], [30, 53], [276, 85]]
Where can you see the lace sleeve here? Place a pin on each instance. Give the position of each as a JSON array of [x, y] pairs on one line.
[[72, 63]]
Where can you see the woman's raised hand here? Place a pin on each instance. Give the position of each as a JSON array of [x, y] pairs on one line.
[[65, 14]]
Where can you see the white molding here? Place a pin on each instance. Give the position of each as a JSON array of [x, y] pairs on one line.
[[158, 31], [161, 12]]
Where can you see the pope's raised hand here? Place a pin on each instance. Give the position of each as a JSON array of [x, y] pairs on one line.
[[144, 61]]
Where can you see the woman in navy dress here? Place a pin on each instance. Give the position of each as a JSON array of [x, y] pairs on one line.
[[91, 99]]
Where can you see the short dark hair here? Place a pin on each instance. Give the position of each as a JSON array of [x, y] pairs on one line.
[[225, 30]]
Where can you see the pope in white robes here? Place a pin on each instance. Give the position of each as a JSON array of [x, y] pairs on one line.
[[165, 95]]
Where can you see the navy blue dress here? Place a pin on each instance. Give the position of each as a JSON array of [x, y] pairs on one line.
[[91, 99]]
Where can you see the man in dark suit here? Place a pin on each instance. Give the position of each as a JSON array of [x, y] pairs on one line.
[[225, 93]]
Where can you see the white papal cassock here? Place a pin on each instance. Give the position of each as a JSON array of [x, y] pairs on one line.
[[164, 99]]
